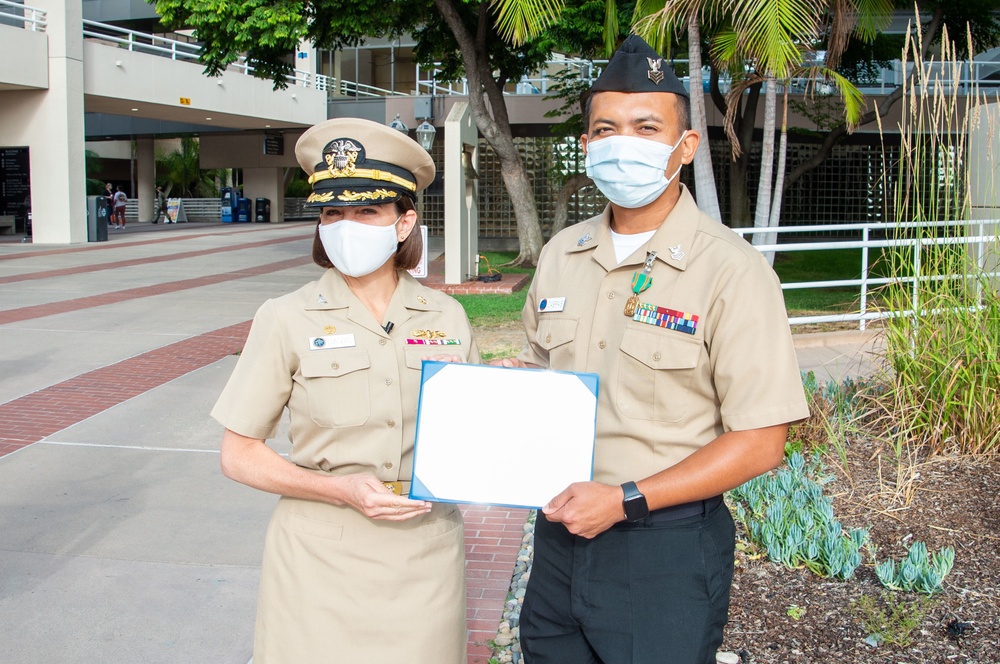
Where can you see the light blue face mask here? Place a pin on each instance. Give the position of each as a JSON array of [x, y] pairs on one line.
[[629, 170]]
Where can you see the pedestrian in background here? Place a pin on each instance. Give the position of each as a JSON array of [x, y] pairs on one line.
[[118, 213]]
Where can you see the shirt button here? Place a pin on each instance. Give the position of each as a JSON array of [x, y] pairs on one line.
[[381, 342], [548, 338], [611, 295], [335, 365], [391, 424], [387, 464], [656, 356], [601, 345], [388, 381]]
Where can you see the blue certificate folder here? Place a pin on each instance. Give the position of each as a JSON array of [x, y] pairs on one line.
[[502, 436]]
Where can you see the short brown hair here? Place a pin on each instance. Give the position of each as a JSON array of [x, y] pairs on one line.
[[408, 252]]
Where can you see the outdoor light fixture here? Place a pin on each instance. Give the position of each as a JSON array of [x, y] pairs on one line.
[[425, 135], [399, 125]]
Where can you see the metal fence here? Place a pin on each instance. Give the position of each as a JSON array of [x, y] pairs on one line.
[[978, 238], [22, 16]]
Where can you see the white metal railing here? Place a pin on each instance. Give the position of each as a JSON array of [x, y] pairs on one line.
[[973, 234], [142, 42], [25, 16]]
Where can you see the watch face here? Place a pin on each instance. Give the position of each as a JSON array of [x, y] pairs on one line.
[[636, 508]]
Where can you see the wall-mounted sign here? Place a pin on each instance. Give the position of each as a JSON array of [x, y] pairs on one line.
[[185, 101], [274, 144], [15, 182]]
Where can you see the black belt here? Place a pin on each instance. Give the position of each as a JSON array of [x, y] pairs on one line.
[[674, 513]]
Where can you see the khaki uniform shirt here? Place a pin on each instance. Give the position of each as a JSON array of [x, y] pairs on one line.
[[353, 408], [664, 393]]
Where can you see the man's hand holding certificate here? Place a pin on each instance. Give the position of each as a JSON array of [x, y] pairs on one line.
[[502, 436]]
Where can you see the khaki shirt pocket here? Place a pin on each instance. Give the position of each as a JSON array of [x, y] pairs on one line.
[[554, 336], [337, 385], [655, 370]]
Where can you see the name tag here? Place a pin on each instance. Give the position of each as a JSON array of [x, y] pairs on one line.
[[552, 304], [331, 341]]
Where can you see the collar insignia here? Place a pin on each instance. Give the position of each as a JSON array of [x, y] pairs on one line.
[[676, 253], [654, 73], [421, 299], [584, 240], [321, 299]]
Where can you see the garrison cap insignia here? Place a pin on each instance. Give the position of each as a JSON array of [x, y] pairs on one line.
[[654, 73], [340, 156]]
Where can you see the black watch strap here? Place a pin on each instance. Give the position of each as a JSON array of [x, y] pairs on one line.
[[634, 502]]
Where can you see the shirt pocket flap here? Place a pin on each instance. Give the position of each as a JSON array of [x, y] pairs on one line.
[[415, 355], [554, 332], [659, 349], [333, 364]]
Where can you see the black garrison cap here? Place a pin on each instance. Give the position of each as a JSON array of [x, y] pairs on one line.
[[636, 67]]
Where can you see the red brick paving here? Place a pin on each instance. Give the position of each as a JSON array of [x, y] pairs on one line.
[[45, 274], [492, 534]]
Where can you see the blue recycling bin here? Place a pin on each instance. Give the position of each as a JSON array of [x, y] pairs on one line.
[[243, 211], [228, 205]]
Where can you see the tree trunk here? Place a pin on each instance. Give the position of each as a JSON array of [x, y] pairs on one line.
[[574, 184], [494, 124], [743, 125], [704, 177], [762, 211], [779, 178]]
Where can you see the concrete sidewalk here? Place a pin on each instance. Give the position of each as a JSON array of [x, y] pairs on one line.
[[120, 541]]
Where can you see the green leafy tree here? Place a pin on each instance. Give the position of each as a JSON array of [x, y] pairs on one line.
[[461, 35], [93, 164]]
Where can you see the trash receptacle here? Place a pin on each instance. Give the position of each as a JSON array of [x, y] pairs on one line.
[[262, 210], [243, 211], [228, 205], [97, 219]]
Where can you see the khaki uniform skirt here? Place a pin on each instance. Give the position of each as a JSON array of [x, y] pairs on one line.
[[339, 587]]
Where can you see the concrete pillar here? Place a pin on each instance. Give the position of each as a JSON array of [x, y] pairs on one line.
[[266, 183], [50, 123], [145, 176], [984, 185], [461, 212]]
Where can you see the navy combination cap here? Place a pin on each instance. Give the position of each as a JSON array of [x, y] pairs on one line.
[[351, 161], [636, 67]]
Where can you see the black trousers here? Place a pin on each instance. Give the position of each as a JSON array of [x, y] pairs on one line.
[[635, 594]]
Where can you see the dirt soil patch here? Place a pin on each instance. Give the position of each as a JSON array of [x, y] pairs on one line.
[[950, 502]]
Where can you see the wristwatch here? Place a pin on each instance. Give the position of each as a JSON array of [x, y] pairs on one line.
[[634, 503]]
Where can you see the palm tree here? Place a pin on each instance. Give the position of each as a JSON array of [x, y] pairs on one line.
[[181, 170]]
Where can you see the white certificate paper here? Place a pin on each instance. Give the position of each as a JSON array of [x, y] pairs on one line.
[[502, 436]]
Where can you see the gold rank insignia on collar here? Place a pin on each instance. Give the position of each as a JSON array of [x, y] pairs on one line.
[[421, 299], [654, 73]]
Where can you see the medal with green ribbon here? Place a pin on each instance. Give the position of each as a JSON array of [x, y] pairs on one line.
[[640, 282]]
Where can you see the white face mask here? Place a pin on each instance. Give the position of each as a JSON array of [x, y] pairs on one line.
[[357, 249], [630, 170]]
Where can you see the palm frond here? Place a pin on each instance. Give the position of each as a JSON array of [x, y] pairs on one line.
[[518, 21]]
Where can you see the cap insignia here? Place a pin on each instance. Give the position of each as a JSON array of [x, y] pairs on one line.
[[654, 73], [340, 156]]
